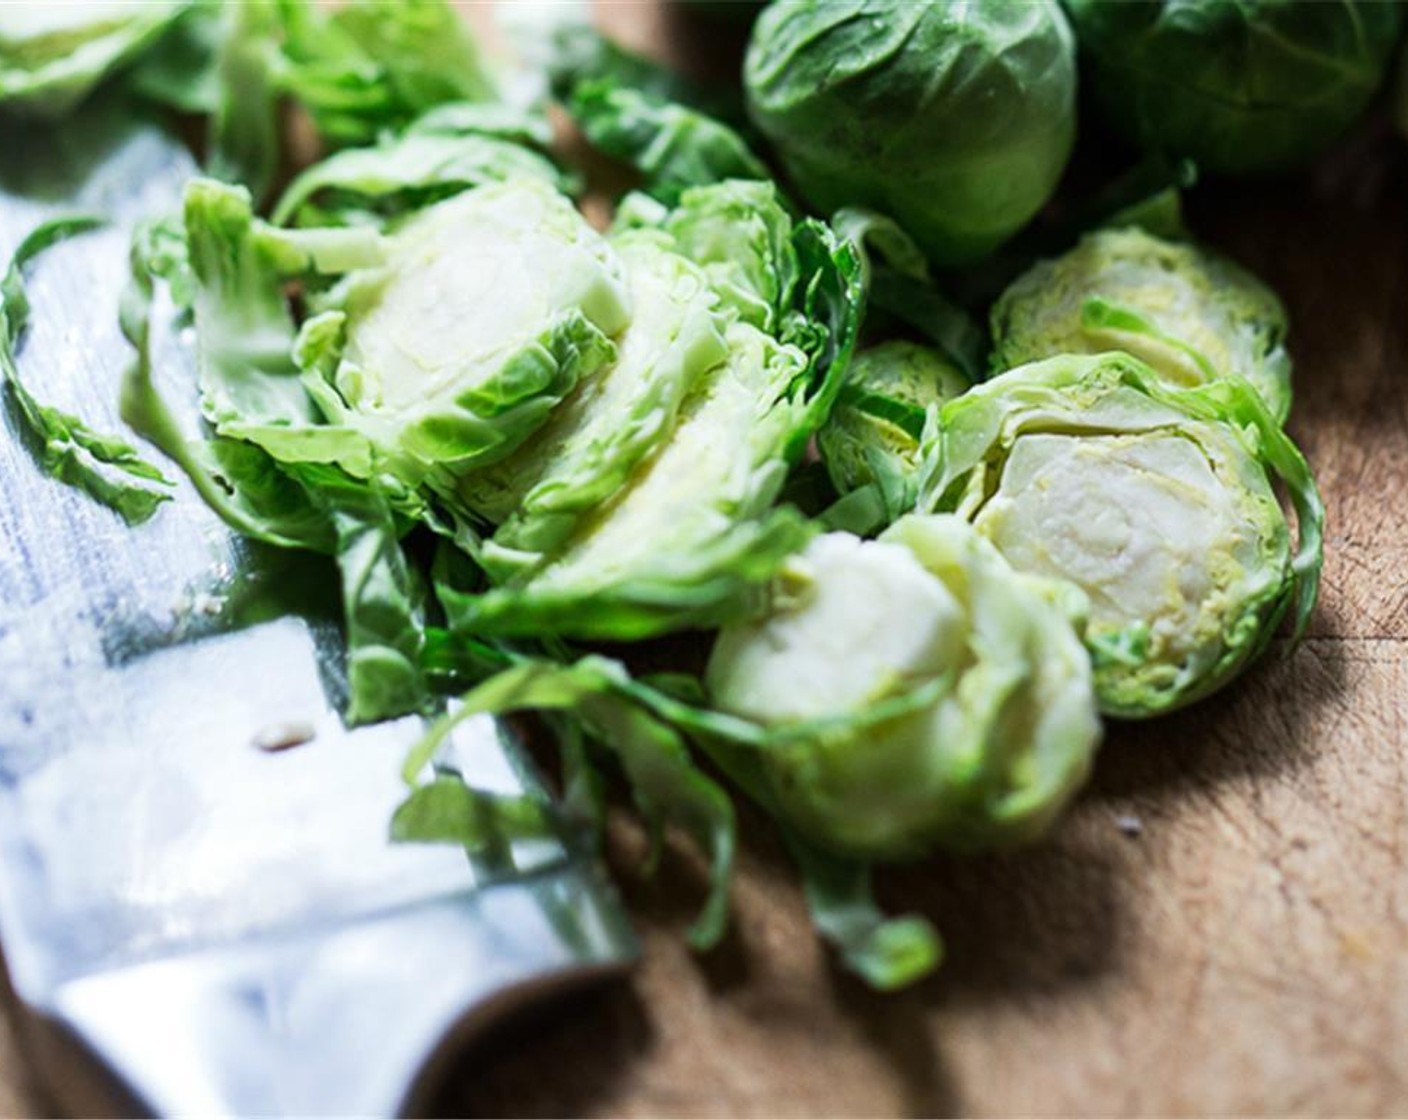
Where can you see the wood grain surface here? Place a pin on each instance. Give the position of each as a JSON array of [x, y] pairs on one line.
[[1220, 926]]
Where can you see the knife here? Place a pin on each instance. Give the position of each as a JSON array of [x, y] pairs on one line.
[[225, 929]]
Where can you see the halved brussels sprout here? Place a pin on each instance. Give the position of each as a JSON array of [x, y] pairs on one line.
[[956, 120], [490, 307], [52, 54], [872, 435], [1157, 502], [915, 691], [1239, 87], [1189, 313]]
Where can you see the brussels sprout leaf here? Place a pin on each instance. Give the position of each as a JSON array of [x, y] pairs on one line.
[[446, 810], [672, 146], [886, 952], [105, 467], [667, 786]]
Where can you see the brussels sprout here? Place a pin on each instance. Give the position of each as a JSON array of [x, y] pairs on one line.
[[1239, 86], [693, 534], [490, 307], [916, 691], [872, 434], [1157, 502], [956, 120], [1187, 312], [583, 455], [52, 55], [690, 531]]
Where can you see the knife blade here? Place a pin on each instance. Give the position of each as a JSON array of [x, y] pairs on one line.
[[226, 928]]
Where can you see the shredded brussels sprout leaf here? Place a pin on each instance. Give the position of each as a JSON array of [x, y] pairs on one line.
[[104, 466]]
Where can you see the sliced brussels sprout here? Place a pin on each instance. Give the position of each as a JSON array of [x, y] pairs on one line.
[[914, 691], [871, 438], [490, 307], [740, 234], [1157, 502], [53, 54], [1192, 315], [954, 119], [594, 440], [1239, 88], [692, 535], [692, 529]]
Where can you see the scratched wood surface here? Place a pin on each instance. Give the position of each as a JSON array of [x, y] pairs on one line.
[[1245, 952]]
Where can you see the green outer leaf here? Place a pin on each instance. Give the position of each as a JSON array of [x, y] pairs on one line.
[[742, 236], [446, 810], [1189, 313], [50, 82], [238, 480], [901, 284], [177, 72], [245, 128], [376, 65], [666, 784], [581, 54], [105, 467], [673, 147], [688, 590], [385, 630], [416, 167], [887, 953], [314, 507], [871, 440]]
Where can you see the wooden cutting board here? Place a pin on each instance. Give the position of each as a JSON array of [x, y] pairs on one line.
[[1221, 924]]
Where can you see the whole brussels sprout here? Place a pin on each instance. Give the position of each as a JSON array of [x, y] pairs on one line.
[[915, 691], [1239, 86], [1189, 313], [1157, 502], [956, 120], [874, 429]]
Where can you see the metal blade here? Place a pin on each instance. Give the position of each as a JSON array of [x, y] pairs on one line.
[[228, 928]]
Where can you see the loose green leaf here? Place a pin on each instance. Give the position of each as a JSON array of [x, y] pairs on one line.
[[408, 172], [581, 54], [53, 55], [447, 811], [105, 467], [887, 953], [899, 282], [384, 624], [667, 786], [672, 146]]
